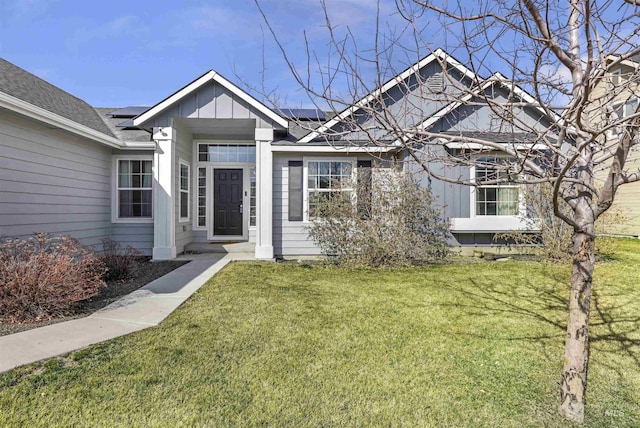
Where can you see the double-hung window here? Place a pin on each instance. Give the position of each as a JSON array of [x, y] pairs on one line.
[[185, 185], [622, 110], [134, 188], [328, 179], [499, 196]]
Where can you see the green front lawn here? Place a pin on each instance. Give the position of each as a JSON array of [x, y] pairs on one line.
[[284, 345]]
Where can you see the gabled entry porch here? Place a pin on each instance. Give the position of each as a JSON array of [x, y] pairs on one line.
[[220, 187], [211, 139]]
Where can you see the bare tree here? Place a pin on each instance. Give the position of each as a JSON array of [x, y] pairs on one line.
[[555, 111]]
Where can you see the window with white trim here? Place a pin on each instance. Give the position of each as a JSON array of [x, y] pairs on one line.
[[222, 152], [252, 196], [134, 188], [202, 197], [185, 186], [501, 197], [327, 179], [616, 76], [622, 110]]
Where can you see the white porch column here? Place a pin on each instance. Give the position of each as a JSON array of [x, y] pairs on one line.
[[164, 234], [264, 196]]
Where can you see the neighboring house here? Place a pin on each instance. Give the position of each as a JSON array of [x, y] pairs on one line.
[[619, 94], [210, 163]]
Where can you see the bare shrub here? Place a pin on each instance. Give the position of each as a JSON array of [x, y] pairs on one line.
[[118, 261], [43, 276], [554, 241], [389, 221]]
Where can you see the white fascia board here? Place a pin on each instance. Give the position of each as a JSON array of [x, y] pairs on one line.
[[38, 113], [331, 149], [198, 83], [494, 224], [495, 78], [440, 114], [139, 146], [522, 93], [628, 61], [162, 105], [478, 146], [251, 101], [437, 54]]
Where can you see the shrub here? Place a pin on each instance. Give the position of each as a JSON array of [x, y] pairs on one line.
[[43, 276], [554, 242], [118, 261], [390, 220]]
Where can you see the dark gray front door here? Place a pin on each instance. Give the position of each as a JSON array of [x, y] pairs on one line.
[[227, 202]]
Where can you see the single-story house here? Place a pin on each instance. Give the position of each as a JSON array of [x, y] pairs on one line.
[[211, 163]]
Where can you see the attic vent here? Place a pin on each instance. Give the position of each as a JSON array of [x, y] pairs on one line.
[[436, 83]]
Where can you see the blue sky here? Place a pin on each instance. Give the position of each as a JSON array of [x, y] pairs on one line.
[[137, 52]]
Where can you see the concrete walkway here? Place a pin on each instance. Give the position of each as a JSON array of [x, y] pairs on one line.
[[144, 308]]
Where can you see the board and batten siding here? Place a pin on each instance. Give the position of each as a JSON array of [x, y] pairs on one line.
[[290, 238], [52, 182], [212, 101]]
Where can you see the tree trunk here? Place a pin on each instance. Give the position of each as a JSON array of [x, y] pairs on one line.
[[574, 375]]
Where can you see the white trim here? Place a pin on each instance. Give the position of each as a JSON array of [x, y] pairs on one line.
[[211, 167], [209, 183], [332, 149], [614, 132], [196, 195], [115, 194], [522, 94], [472, 193], [198, 83], [478, 146], [493, 224], [189, 192], [34, 112], [264, 194], [628, 61], [437, 54], [305, 178], [495, 78]]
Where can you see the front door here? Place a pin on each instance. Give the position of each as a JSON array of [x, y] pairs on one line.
[[227, 202]]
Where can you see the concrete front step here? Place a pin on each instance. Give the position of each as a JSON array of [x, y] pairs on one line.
[[215, 247]]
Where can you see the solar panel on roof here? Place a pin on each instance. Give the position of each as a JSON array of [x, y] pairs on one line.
[[128, 112], [302, 113]]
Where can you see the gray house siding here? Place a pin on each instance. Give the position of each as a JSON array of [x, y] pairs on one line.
[[52, 182], [135, 235], [479, 118], [212, 101], [410, 103], [290, 238], [453, 198]]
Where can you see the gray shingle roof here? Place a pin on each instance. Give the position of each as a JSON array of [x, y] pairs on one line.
[[25, 86], [124, 134]]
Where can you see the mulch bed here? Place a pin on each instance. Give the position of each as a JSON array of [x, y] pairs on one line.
[[142, 273]]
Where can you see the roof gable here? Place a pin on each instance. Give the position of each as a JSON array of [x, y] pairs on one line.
[[399, 87], [478, 118], [201, 98], [26, 87]]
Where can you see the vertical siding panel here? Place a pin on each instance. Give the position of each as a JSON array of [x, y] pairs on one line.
[[224, 104], [206, 102], [189, 106]]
